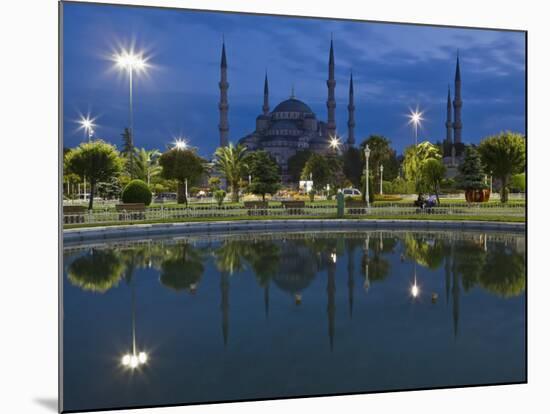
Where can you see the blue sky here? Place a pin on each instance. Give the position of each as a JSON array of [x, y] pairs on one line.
[[395, 67]]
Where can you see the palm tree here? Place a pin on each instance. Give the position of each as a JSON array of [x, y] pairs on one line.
[[146, 165], [230, 162]]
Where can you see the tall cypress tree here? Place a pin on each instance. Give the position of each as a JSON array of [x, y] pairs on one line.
[[471, 175]]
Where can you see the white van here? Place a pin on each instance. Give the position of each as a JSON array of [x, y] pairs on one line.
[[351, 192]]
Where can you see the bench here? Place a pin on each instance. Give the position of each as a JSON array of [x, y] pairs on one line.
[[356, 206], [256, 208], [74, 214], [131, 211], [294, 207]]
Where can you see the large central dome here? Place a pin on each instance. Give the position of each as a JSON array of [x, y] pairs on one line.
[[292, 105]]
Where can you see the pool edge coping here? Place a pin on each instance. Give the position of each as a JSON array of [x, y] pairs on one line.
[[182, 228]]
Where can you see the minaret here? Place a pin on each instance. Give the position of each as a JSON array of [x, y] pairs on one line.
[[331, 102], [265, 107], [223, 106], [449, 123], [351, 112], [457, 103]]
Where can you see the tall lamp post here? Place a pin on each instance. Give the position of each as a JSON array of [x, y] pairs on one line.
[[87, 124], [367, 154], [131, 62], [415, 118], [381, 177]]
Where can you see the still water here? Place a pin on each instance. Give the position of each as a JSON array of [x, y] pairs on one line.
[[217, 318]]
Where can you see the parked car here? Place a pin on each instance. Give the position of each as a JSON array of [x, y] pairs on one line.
[[351, 192], [165, 197]]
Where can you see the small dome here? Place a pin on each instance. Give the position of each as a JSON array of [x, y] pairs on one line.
[[292, 105]]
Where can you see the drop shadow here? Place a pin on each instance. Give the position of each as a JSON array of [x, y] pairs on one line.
[[49, 403]]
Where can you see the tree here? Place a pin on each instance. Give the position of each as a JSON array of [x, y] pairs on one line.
[[230, 161], [353, 165], [182, 164], [265, 173], [503, 155], [414, 157], [471, 176], [128, 151], [433, 172], [319, 169], [214, 183], [96, 160], [381, 153], [182, 269], [146, 164], [97, 271], [296, 163]]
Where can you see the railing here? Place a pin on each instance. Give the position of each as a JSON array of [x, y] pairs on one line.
[[204, 212]]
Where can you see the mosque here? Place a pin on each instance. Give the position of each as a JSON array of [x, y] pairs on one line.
[[291, 126]]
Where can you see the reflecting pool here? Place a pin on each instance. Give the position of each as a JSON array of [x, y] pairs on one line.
[[233, 317]]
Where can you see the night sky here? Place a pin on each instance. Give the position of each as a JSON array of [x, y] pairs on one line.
[[395, 67]]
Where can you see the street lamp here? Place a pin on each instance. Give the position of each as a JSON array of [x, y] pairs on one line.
[[381, 177], [415, 118], [180, 144], [367, 154], [87, 124], [131, 62], [334, 143]]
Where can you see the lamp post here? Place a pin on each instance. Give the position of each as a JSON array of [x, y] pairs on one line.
[[334, 144], [381, 177], [415, 118], [131, 62], [367, 154], [490, 182], [87, 124]]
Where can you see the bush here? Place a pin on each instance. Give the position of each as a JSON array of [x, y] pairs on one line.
[[136, 191], [219, 196]]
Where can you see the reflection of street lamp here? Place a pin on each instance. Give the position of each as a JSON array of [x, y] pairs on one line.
[[381, 177], [367, 154], [415, 289], [134, 359], [415, 118], [366, 284]]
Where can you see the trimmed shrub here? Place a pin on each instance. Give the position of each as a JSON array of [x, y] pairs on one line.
[[137, 191], [219, 196]]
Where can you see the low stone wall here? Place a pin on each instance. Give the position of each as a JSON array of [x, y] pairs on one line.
[[74, 236]]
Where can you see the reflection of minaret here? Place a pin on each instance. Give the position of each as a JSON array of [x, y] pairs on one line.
[[223, 106], [447, 277], [225, 305], [266, 300], [351, 284], [456, 300], [265, 107], [351, 113], [457, 103], [331, 291], [448, 122], [331, 102]]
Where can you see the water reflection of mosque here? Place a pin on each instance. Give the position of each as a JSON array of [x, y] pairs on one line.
[[292, 261]]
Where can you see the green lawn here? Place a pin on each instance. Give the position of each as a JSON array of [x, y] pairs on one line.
[[444, 203], [511, 219]]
